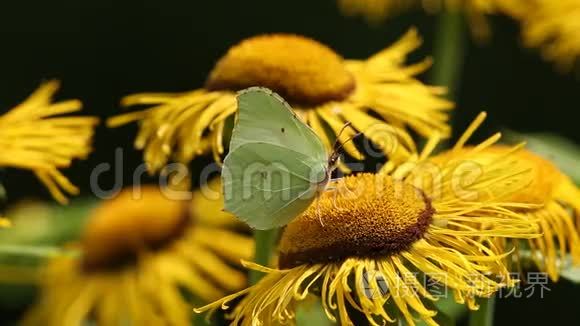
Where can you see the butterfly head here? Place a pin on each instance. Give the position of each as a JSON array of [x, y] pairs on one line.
[[333, 160]]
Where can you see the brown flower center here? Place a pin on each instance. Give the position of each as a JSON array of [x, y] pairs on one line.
[[300, 69], [119, 229], [367, 216]]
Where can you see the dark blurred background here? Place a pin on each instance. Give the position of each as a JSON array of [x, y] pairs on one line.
[[102, 50]]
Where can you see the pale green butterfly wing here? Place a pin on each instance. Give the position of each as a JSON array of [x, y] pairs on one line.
[[266, 185], [263, 116], [275, 164]]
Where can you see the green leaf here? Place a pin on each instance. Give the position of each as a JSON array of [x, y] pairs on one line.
[[38, 223], [568, 271], [451, 309], [310, 312], [448, 311], [572, 273], [38, 232], [484, 315], [441, 318]]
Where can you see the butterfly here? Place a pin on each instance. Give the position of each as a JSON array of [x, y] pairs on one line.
[[276, 165]]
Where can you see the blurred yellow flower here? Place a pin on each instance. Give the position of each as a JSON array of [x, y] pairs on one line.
[[381, 233], [139, 251], [4, 222], [557, 206], [34, 136], [379, 96], [374, 11], [554, 27], [474, 10]]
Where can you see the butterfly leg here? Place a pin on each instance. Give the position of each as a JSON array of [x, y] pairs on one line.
[[337, 188], [318, 211], [333, 184]]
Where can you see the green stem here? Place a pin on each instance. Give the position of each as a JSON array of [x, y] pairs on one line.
[[35, 251], [449, 51], [265, 243], [483, 316], [2, 191]]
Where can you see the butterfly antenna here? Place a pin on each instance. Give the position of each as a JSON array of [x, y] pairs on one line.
[[340, 146], [337, 144], [337, 140]]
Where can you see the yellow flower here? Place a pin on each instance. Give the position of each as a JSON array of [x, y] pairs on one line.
[[557, 202], [34, 136], [549, 25], [4, 222], [374, 10], [324, 89], [138, 254], [368, 245], [475, 10], [553, 26]]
